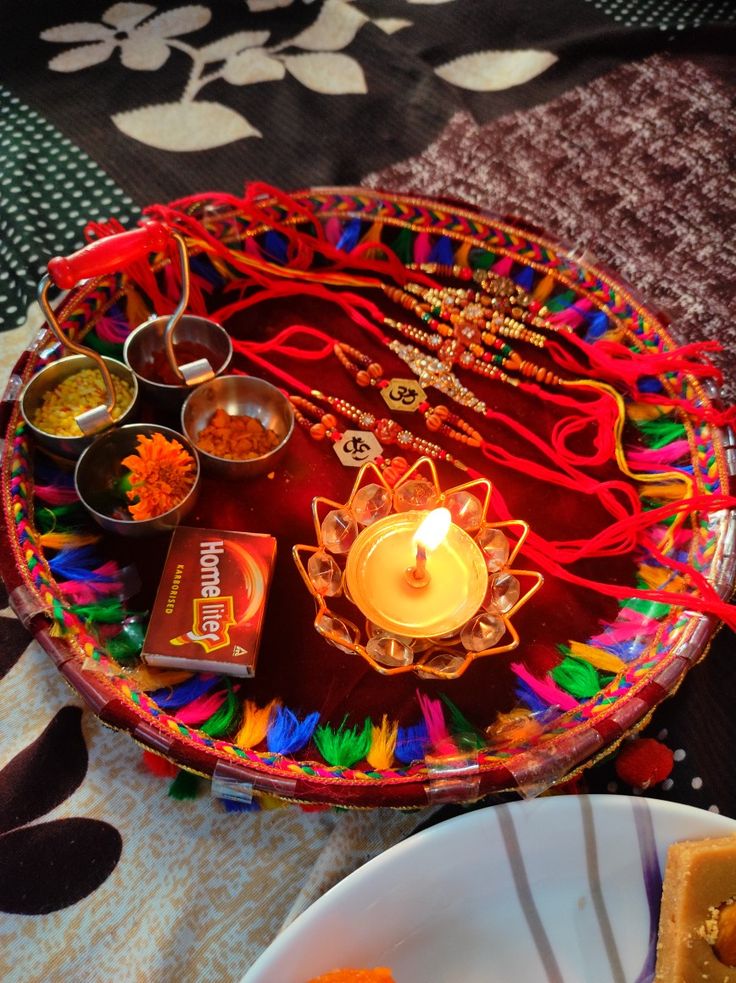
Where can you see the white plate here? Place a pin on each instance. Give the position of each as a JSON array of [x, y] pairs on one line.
[[553, 889]]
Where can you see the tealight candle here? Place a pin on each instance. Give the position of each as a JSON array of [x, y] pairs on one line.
[[407, 583]]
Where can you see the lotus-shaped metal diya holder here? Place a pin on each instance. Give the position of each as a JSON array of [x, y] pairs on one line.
[[430, 603]]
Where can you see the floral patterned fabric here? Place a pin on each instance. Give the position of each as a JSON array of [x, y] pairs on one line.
[[308, 93], [103, 877]]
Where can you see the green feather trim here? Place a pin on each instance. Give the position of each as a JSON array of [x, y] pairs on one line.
[[661, 432], [562, 301], [107, 612], [345, 745], [222, 720], [468, 736], [103, 347], [126, 646], [403, 245], [61, 517], [649, 609], [578, 678], [58, 612], [481, 259], [184, 786]]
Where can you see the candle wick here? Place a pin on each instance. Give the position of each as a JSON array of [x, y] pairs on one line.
[[418, 576], [420, 569]]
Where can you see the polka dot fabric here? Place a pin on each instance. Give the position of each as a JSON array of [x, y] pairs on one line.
[[49, 190], [697, 725], [668, 15]]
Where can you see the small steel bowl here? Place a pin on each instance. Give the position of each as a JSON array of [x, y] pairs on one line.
[[51, 376], [101, 465], [147, 341], [239, 395]]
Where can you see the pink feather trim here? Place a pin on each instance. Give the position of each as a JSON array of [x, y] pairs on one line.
[[439, 737], [569, 317], [629, 624], [503, 266], [201, 709], [545, 689], [56, 494], [108, 329], [652, 456], [333, 230], [681, 539], [79, 592], [422, 247]]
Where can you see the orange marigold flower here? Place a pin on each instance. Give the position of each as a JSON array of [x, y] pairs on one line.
[[161, 473]]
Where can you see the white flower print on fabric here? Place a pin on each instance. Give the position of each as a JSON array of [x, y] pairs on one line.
[[146, 38], [143, 46], [243, 58], [491, 71]]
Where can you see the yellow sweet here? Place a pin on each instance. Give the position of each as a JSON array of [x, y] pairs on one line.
[[696, 925]]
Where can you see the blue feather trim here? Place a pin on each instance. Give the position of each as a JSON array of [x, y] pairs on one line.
[[627, 651], [597, 325], [442, 252], [650, 384], [204, 268], [524, 278], [231, 805], [77, 563], [45, 473], [410, 743], [529, 698], [175, 697], [274, 247], [286, 733], [350, 235]]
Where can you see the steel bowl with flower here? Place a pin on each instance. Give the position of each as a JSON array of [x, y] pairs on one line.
[[138, 480]]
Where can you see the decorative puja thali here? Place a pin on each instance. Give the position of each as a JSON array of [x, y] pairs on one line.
[[419, 358]]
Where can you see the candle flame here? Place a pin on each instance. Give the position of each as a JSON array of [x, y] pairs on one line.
[[433, 529]]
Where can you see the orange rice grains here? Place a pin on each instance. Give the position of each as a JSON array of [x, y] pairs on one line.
[[236, 438]]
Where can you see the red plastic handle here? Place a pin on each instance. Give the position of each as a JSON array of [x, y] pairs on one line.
[[108, 255]]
